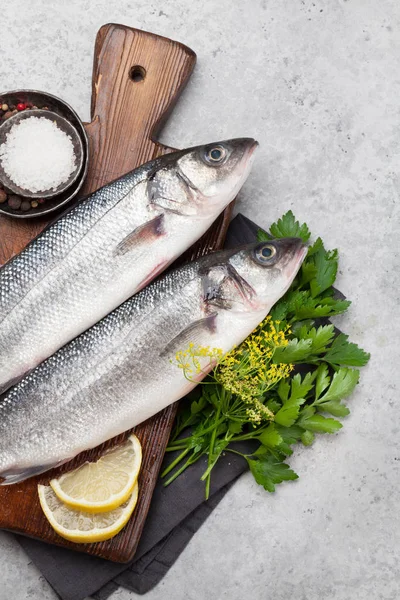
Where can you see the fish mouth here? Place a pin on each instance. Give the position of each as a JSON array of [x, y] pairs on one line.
[[302, 253], [251, 146], [254, 145], [293, 252], [299, 256]]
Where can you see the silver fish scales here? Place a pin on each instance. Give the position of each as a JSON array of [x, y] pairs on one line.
[[109, 247], [119, 372]]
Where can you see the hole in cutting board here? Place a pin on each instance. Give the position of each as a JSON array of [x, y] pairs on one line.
[[137, 73]]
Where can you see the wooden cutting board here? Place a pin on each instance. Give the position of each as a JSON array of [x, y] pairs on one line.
[[137, 79]]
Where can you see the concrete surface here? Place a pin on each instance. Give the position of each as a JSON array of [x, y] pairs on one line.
[[318, 84]]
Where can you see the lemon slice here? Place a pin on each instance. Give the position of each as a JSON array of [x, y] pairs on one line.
[[103, 485], [82, 527]]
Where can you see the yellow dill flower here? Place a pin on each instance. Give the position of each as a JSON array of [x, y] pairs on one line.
[[247, 371], [197, 359], [258, 413]]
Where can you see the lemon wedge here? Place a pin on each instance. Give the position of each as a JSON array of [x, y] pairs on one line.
[[82, 527], [104, 485]]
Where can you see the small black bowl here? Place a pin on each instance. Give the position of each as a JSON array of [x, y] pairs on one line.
[[62, 124], [42, 100]]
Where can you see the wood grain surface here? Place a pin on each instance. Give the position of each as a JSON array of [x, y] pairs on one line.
[[137, 79]]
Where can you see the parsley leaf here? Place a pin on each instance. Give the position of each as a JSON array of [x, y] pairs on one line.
[[315, 308], [335, 408], [295, 351], [268, 471], [319, 424], [320, 338], [307, 272], [326, 263], [270, 437], [287, 226], [289, 435], [300, 388], [280, 310], [197, 406], [283, 390], [298, 305], [273, 405], [263, 236], [235, 426], [289, 412], [323, 380], [343, 383], [307, 438], [343, 352], [287, 415]]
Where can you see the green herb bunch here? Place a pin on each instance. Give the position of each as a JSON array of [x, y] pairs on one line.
[[283, 385]]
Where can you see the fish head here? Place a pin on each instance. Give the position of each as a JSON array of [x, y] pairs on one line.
[[202, 180], [270, 267], [252, 278], [219, 170]]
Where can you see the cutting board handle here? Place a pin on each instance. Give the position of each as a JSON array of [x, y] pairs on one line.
[[128, 109], [132, 96]]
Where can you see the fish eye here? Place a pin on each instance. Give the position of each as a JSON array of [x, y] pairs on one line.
[[265, 253], [215, 155]]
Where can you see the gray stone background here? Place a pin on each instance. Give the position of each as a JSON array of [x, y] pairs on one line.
[[318, 84]]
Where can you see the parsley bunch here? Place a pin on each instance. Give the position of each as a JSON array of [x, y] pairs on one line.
[[313, 372]]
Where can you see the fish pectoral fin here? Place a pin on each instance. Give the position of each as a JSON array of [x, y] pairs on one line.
[[149, 231], [16, 475], [192, 334]]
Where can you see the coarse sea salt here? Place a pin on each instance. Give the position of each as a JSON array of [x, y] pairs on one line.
[[37, 156]]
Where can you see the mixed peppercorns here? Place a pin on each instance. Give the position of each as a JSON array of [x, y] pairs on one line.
[[14, 201], [18, 202], [8, 110]]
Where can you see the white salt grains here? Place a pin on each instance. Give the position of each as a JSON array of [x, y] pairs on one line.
[[37, 156]]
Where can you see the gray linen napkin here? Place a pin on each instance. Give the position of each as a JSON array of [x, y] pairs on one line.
[[176, 513]]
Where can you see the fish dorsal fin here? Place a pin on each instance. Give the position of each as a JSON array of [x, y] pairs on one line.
[[194, 333], [148, 232]]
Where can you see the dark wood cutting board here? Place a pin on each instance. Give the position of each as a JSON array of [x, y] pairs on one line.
[[137, 79]]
